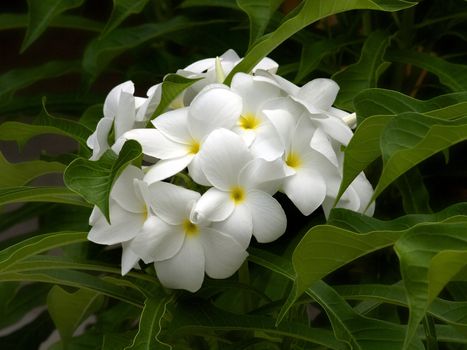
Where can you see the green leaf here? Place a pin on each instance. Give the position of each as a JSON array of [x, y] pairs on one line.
[[172, 86], [259, 14], [411, 138], [91, 116], [69, 310], [100, 52], [16, 79], [232, 4], [36, 245], [93, 180], [310, 12], [415, 196], [452, 75], [40, 194], [430, 256], [365, 73], [40, 13], [313, 52], [372, 102], [15, 20], [150, 326], [120, 11], [18, 174]]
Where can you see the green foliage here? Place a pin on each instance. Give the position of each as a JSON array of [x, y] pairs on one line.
[[347, 281]]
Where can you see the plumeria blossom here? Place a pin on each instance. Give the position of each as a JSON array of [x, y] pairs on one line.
[[130, 213], [179, 134], [182, 251], [240, 201], [123, 111]]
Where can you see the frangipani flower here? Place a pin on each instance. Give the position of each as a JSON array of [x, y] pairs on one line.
[[180, 133], [129, 215], [240, 203], [182, 251]]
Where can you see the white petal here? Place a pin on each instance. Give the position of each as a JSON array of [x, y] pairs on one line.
[[258, 173], [214, 205], [254, 91], [336, 128], [267, 64], [174, 125], [95, 215], [306, 189], [269, 220], [157, 240], [230, 56], [123, 191], [172, 203], [239, 225], [125, 118], [165, 168], [214, 108], [267, 144], [290, 88], [98, 140], [201, 65], [155, 144], [222, 157], [196, 172], [223, 255], [320, 142], [111, 101], [301, 138], [129, 258], [320, 93], [185, 270], [150, 104], [124, 226], [364, 191]]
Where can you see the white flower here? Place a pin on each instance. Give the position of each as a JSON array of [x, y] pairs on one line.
[[240, 203], [120, 112], [182, 251], [180, 133], [129, 214]]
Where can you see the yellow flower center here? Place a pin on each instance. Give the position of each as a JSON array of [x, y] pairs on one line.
[[190, 228], [249, 121], [237, 194], [293, 160], [193, 147]]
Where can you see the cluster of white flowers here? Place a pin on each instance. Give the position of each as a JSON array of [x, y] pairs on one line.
[[242, 143]]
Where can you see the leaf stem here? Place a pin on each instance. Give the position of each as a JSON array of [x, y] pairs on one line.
[[430, 332]]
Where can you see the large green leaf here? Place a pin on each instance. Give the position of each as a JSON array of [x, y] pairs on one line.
[[18, 174], [150, 326], [16, 20], [365, 73], [430, 256], [411, 138], [415, 196], [259, 14], [120, 11], [19, 78], [40, 13], [310, 12], [69, 310], [93, 180], [20, 194], [452, 75], [372, 102]]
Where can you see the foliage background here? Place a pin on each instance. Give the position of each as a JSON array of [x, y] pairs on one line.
[[391, 282]]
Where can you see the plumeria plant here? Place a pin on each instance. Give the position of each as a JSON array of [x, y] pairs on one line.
[[286, 199]]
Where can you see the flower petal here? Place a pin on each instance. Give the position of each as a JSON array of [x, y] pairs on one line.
[[129, 258], [150, 104], [98, 140], [214, 205], [156, 144], [320, 142], [111, 101], [124, 226], [319, 93], [157, 240], [172, 203], [238, 225], [306, 189], [267, 64], [185, 270], [125, 118], [215, 107], [174, 125], [123, 191], [223, 255], [166, 168], [261, 174], [336, 128], [269, 220], [267, 144], [222, 157], [196, 172]]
